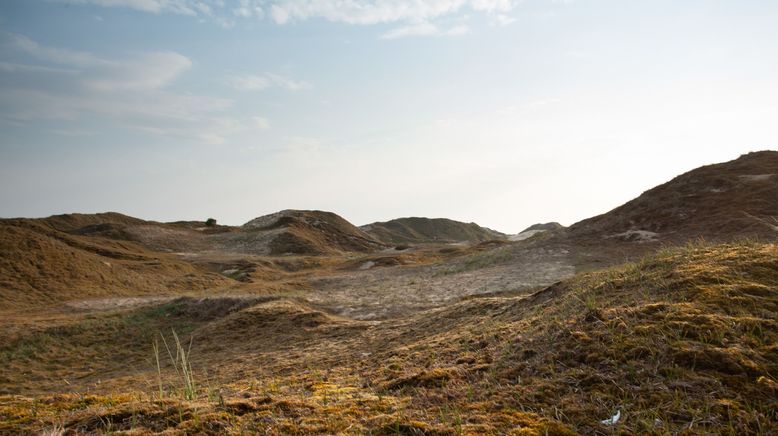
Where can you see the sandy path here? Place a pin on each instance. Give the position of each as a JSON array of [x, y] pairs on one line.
[[381, 293], [102, 304]]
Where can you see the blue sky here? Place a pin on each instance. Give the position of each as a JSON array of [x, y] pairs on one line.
[[501, 112]]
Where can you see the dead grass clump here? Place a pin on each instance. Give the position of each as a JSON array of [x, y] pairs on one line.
[[436, 377], [408, 428], [723, 360]]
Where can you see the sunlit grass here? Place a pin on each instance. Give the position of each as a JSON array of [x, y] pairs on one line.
[[679, 341]]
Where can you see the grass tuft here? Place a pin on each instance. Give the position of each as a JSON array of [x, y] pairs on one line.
[[181, 364]]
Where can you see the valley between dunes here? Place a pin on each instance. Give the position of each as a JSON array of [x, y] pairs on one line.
[[663, 312]]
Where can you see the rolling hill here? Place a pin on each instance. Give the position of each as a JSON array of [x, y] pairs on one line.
[[429, 230], [308, 232], [285, 232], [721, 202], [40, 265], [86, 256]]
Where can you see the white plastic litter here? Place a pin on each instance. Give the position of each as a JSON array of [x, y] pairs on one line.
[[613, 419]]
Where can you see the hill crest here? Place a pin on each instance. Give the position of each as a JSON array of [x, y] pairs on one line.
[[311, 232], [419, 230], [719, 202]]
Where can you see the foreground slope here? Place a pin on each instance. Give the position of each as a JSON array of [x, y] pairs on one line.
[[429, 230], [683, 340]]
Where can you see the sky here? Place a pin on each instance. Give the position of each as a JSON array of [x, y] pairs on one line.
[[500, 112]]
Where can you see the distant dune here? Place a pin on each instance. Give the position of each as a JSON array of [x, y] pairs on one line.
[[429, 230]]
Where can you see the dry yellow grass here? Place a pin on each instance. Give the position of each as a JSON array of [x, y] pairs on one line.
[[685, 340]]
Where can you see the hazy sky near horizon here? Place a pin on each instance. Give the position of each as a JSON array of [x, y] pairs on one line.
[[501, 112]]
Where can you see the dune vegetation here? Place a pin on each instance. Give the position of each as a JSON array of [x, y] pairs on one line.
[[681, 340]]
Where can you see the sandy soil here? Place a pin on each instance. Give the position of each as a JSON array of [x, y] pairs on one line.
[[101, 304], [381, 293]]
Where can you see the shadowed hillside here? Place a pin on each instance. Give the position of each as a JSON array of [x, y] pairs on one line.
[[717, 202]]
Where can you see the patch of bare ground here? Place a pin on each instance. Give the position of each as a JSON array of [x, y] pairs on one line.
[[113, 303], [380, 292]]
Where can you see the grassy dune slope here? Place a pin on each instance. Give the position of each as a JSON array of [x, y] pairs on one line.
[[683, 340], [718, 202], [312, 232], [40, 265]]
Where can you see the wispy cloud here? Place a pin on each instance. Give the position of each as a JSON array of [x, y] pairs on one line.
[[259, 82], [425, 29], [218, 11], [417, 14], [59, 56], [248, 9], [73, 132], [27, 104], [132, 91], [141, 71], [144, 71], [185, 7], [260, 123], [215, 131], [10, 67], [368, 12], [502, 20]]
